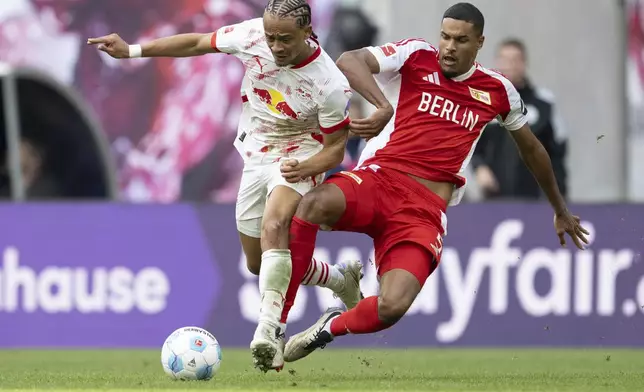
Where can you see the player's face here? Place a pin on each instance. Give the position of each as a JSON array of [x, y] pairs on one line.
[[286, 39], [459, 46], [511, 63]]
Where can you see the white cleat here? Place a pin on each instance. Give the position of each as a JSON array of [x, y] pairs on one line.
[[350, 294], [318, 336], [267, 347]]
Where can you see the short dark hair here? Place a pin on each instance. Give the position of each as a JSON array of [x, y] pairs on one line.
[[467, 12], [515, 43]]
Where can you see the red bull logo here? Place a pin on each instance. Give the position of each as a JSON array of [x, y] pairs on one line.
[[275, 102]]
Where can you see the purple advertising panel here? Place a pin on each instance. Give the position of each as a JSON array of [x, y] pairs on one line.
[[102, 275], [127, 276]]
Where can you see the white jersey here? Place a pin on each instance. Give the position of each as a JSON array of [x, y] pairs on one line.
[[286, 108]]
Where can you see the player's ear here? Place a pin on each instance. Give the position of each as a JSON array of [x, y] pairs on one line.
[[308, 32], [481, 42]]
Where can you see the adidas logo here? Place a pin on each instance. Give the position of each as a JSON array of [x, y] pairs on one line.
[[433, 78], [192, 363]]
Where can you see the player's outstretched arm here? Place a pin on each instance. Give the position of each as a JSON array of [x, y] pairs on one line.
[[181, 45], [538, 162], [331, 155]]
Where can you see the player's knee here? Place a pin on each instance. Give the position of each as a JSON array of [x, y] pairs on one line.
[[317, 207], [391, 308], [274, 228]]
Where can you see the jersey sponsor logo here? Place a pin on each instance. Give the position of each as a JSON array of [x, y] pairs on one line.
[[352, 176], [481, 96], [446, 109], [275, 102], [388, 50]]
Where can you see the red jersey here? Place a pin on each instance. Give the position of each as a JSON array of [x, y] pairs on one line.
[[437, 120]]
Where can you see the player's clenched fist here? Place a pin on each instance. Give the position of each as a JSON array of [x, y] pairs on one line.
[[113, 45], [291, 170], [371, 126]]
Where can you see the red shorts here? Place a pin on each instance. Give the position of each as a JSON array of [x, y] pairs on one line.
[[393, 208]]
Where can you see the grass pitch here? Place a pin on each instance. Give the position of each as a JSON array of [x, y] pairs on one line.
[[337, 370]]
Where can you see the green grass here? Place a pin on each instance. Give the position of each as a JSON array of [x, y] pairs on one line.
[[366, 370]]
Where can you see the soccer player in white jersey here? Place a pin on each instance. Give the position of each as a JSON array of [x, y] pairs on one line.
[[294, 129]]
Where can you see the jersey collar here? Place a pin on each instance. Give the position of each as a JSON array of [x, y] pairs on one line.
[[466, 75], [311, 58]]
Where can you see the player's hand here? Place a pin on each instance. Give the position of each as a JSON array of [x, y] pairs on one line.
[[567, 223], [372, 126], [113, 45], [291, 170]]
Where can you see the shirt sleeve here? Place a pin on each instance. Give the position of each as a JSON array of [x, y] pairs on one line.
[[235, 38], [513, 115], [333, 115], [392, 56]]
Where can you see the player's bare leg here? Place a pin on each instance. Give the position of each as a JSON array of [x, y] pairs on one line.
[[275, 273], [252, 248], [398, 290]]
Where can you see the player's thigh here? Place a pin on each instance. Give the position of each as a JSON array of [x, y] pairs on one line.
[[280, 208], [284, 197], [282, 202], [347, 201], [251, 200], [252, 250], [403, 270]]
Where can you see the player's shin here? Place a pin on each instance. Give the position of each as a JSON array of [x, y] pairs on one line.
[[274, 278], [362, 319]]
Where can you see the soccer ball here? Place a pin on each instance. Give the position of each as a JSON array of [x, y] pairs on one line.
[[191, 353]]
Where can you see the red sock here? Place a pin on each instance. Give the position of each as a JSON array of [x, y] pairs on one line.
[[302, 245], [360, 320]]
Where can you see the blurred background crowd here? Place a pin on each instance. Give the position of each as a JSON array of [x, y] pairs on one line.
[[161, 130]]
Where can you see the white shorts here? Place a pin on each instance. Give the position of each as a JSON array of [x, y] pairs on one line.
[[257, 182]]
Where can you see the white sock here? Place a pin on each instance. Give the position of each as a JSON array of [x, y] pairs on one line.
[[274, 277], [324, 275]]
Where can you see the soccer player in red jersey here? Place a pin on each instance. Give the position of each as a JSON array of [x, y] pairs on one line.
[[432, 105]]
